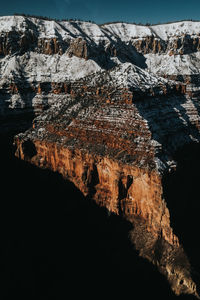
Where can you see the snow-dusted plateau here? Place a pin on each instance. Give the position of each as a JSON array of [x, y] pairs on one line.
[[112, 107]]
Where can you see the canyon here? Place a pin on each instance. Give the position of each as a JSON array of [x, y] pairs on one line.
[[109, 107]]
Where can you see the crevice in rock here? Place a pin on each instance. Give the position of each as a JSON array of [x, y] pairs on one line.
[[123, 186], [29, 149], [93, 180]]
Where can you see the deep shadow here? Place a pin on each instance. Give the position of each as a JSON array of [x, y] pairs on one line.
[[29, 149], [123, 189], [124, 52], [181, 191], [169, 121], [128, 53], [93, 181], [56, 243], [170, 125], [102, 54]]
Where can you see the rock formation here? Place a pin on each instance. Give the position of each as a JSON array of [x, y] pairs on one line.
[[112, 152], [112, 105]]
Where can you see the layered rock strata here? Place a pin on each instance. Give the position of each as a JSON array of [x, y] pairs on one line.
[[37, 55], [113, 103], [116, 152]]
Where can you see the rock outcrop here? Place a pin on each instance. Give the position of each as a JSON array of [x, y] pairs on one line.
[[117, 152], [185, 44], [79, 48], [36, 54], [110, 105]]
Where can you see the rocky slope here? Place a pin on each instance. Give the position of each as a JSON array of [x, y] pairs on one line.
[[37, 54], [116, 152], [113, 104]]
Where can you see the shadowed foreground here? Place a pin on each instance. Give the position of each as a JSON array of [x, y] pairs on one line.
[[55, 242], [181, 192]]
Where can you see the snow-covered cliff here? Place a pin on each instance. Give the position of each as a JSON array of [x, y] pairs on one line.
[[113, 103]]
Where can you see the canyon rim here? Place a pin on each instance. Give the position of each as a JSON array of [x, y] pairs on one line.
[[111, 107]]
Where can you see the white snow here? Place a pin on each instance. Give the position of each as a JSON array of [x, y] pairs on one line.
[[127, 31], [92, 31], [9, 23], [127, 74], [165, 31], [36, 67], [40, 67], [46, 68], [50, 29], [173, 65]]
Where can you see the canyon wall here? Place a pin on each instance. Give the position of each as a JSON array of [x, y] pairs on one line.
[[40, 60], [116, 152], [128, 191], [110, 104]]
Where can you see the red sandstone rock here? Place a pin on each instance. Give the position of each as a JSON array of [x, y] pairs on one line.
[[106, 149], [79, 48], [112, 139]]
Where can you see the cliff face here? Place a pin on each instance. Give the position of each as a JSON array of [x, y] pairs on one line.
[[185, 44], [111, 106], [23, 34], [36, 56], [117, 152]]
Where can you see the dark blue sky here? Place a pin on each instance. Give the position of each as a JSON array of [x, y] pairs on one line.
[[152, 11]]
